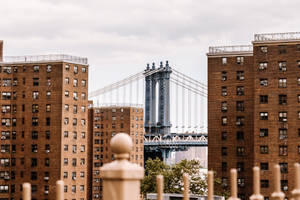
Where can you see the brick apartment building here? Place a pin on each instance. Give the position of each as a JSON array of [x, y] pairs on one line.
[[254, 110], [104, 123], [43, 125]]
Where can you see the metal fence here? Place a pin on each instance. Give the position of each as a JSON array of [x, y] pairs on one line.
[[121, 179]]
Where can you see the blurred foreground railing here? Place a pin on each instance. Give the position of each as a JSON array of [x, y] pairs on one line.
[[121, 179]]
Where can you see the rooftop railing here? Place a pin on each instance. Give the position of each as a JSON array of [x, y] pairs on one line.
[[45, 58], [231, 49], [276, 36]]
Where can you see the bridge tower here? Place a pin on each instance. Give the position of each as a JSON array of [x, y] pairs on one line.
[[157, 125]]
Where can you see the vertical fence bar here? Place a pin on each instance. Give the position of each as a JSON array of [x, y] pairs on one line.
[[210, 194], [26, 191], [256, 185], [186, 186], [160, 187], [277, 194], [233, 185], [296, 191], [59, 190]]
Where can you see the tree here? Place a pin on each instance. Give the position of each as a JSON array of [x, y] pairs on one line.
[[173, 177]]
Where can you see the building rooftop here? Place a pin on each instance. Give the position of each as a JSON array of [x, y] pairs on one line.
[[238, 49], [45, 58], [271, 37]]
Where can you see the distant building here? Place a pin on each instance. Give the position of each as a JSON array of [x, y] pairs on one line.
[[43, 125], [193, 153], [105, 122], [254, 110]]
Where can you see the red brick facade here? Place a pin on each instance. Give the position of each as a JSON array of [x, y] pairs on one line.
[[271, 111], [105, 123], [43, 128]]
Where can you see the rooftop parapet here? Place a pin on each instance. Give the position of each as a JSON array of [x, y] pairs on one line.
[[238, 49], [271, 37], [45, 58]]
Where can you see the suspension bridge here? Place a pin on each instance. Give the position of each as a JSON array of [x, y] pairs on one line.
[[174, 106]]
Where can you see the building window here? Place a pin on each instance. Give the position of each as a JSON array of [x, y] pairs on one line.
[[264, 149], [298, 114], [283, 150], [224, 76], [240, 90], [66, 161], [67, 80], [224, 135], [224, 151], [284, 185], [263, 82], [66, 107], [48, 83], [263, 66], [83, 95], [48, 108], [74, 121], [282, 116], [240, 135], [35, 81], [35, 95], [224, 61], [66, 93], [283, 133], [83, 69], [75, 96], [263, 115], [74, 109], [240, 60], [35, 108], [224, 91], [48, 121], [240, 106], [282, 99], [240, 166], [67, 67], [240, 75], [224, 166], [282, 66], [264, 166], [75, 82], [47, 133], [241, 182], [48, 68], [35, 121], [75, 69], [283, 168], [240, 151], [34, 135], [263, 132], [36, 68], [66, 134], [282, 82], [264, 183], [263, 99], [83, 83], [66, 121], [224, 106], [224, 121], [281, 49], [48, 94], [264, 49], [224, 182]]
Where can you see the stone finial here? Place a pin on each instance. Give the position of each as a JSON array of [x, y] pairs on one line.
[[121, 179], [296, 190], [167, 63], [161, 64], [277, 194], [186, 186], [233, 185], [256, 185], [148, 66], [26, 194], [121, 145], [210, 193]]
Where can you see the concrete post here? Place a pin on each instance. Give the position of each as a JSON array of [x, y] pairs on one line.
[[186, 186], [233, 185], [256, 185], [159, 187], [277, 194], [296, 190], [26, 194], [210, 194], [59, 190], [121, 179]]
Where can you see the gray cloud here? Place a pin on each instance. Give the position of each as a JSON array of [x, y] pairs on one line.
[[122, 36]]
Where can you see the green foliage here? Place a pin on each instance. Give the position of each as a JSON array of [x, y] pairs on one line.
[[173, 181]]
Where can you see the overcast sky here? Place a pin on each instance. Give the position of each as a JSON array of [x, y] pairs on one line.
[[120, 36]]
